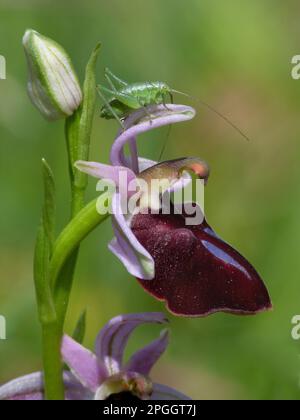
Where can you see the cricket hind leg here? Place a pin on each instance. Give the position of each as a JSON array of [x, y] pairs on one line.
[[109, 73], [111, 84], [107, 104], [128, 100]]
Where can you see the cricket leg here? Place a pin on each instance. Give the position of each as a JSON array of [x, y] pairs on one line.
[[111, 84], [117, 79], [172, 101], [107, 104], [147, 113], [127, 100]]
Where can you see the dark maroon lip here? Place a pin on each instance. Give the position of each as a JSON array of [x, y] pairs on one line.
[[268, 308], [196, 273]]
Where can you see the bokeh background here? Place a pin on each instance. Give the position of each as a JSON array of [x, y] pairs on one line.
[[235, 55]]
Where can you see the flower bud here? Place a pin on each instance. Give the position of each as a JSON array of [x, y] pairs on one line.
[[53, 85]]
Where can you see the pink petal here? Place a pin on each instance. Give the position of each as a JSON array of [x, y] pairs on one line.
[[161, 117], [126, 247], [83, 364], [143, 360], [112, 340], [101, 171], [31, 388]]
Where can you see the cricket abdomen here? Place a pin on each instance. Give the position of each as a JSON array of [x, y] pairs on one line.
[[147, 93]]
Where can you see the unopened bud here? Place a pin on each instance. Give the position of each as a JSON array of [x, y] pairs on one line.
[[53, 85]]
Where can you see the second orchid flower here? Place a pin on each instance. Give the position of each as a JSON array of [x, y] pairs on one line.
[[189, 267]]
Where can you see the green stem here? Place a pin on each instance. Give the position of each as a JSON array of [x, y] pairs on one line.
[[60, 276], [52, 333], [77, 200], [53, 372], [64, 282], [62, 265]]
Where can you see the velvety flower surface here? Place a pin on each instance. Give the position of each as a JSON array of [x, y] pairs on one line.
[[104, 375], [189, 267], [196, 272]]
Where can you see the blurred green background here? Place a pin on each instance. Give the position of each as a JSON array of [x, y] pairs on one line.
[[233, 54]]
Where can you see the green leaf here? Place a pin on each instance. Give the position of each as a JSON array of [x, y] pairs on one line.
[[79, 331], [43, 249], [71, 134], [49, 207], [86, 110], [78, 127], [78, 130]]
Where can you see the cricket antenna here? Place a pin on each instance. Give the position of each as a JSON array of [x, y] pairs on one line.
[[206, 105]]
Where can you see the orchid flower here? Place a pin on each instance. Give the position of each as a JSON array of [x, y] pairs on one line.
[[104, 375], [189, 267]]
